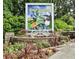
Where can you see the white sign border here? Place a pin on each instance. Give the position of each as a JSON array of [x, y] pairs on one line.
[[26, 12]]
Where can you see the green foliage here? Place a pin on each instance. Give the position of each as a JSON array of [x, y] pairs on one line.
[[71, 21], [14, 23], [42, 44], [62, 7], [68, 19], [64, 24], [70, 28], [40, 1], [59, 24], [7, 27], [14, 48], [14, 14]]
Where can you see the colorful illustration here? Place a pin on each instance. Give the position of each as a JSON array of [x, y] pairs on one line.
[[39, 17]]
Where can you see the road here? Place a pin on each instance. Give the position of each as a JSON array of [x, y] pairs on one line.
[[65, 52]]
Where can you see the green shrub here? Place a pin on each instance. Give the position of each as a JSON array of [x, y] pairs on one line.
[[68, 19], [59, 24], [70, 28], [14, 48], [14, 24], [7, 27], [71, 21], [42, 44]]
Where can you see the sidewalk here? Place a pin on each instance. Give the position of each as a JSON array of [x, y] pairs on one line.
[[66, 52]]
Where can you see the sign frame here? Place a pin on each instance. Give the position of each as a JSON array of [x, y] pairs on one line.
[[26, 14]]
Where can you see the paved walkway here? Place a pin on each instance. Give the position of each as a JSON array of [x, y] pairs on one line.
[[66, 52]]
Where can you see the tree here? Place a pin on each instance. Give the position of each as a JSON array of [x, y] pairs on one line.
[[14, 13]]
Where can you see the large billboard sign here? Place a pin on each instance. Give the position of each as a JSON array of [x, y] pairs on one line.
[[39, 17]]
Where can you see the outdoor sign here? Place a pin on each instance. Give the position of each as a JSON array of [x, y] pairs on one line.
[[39, 17]]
